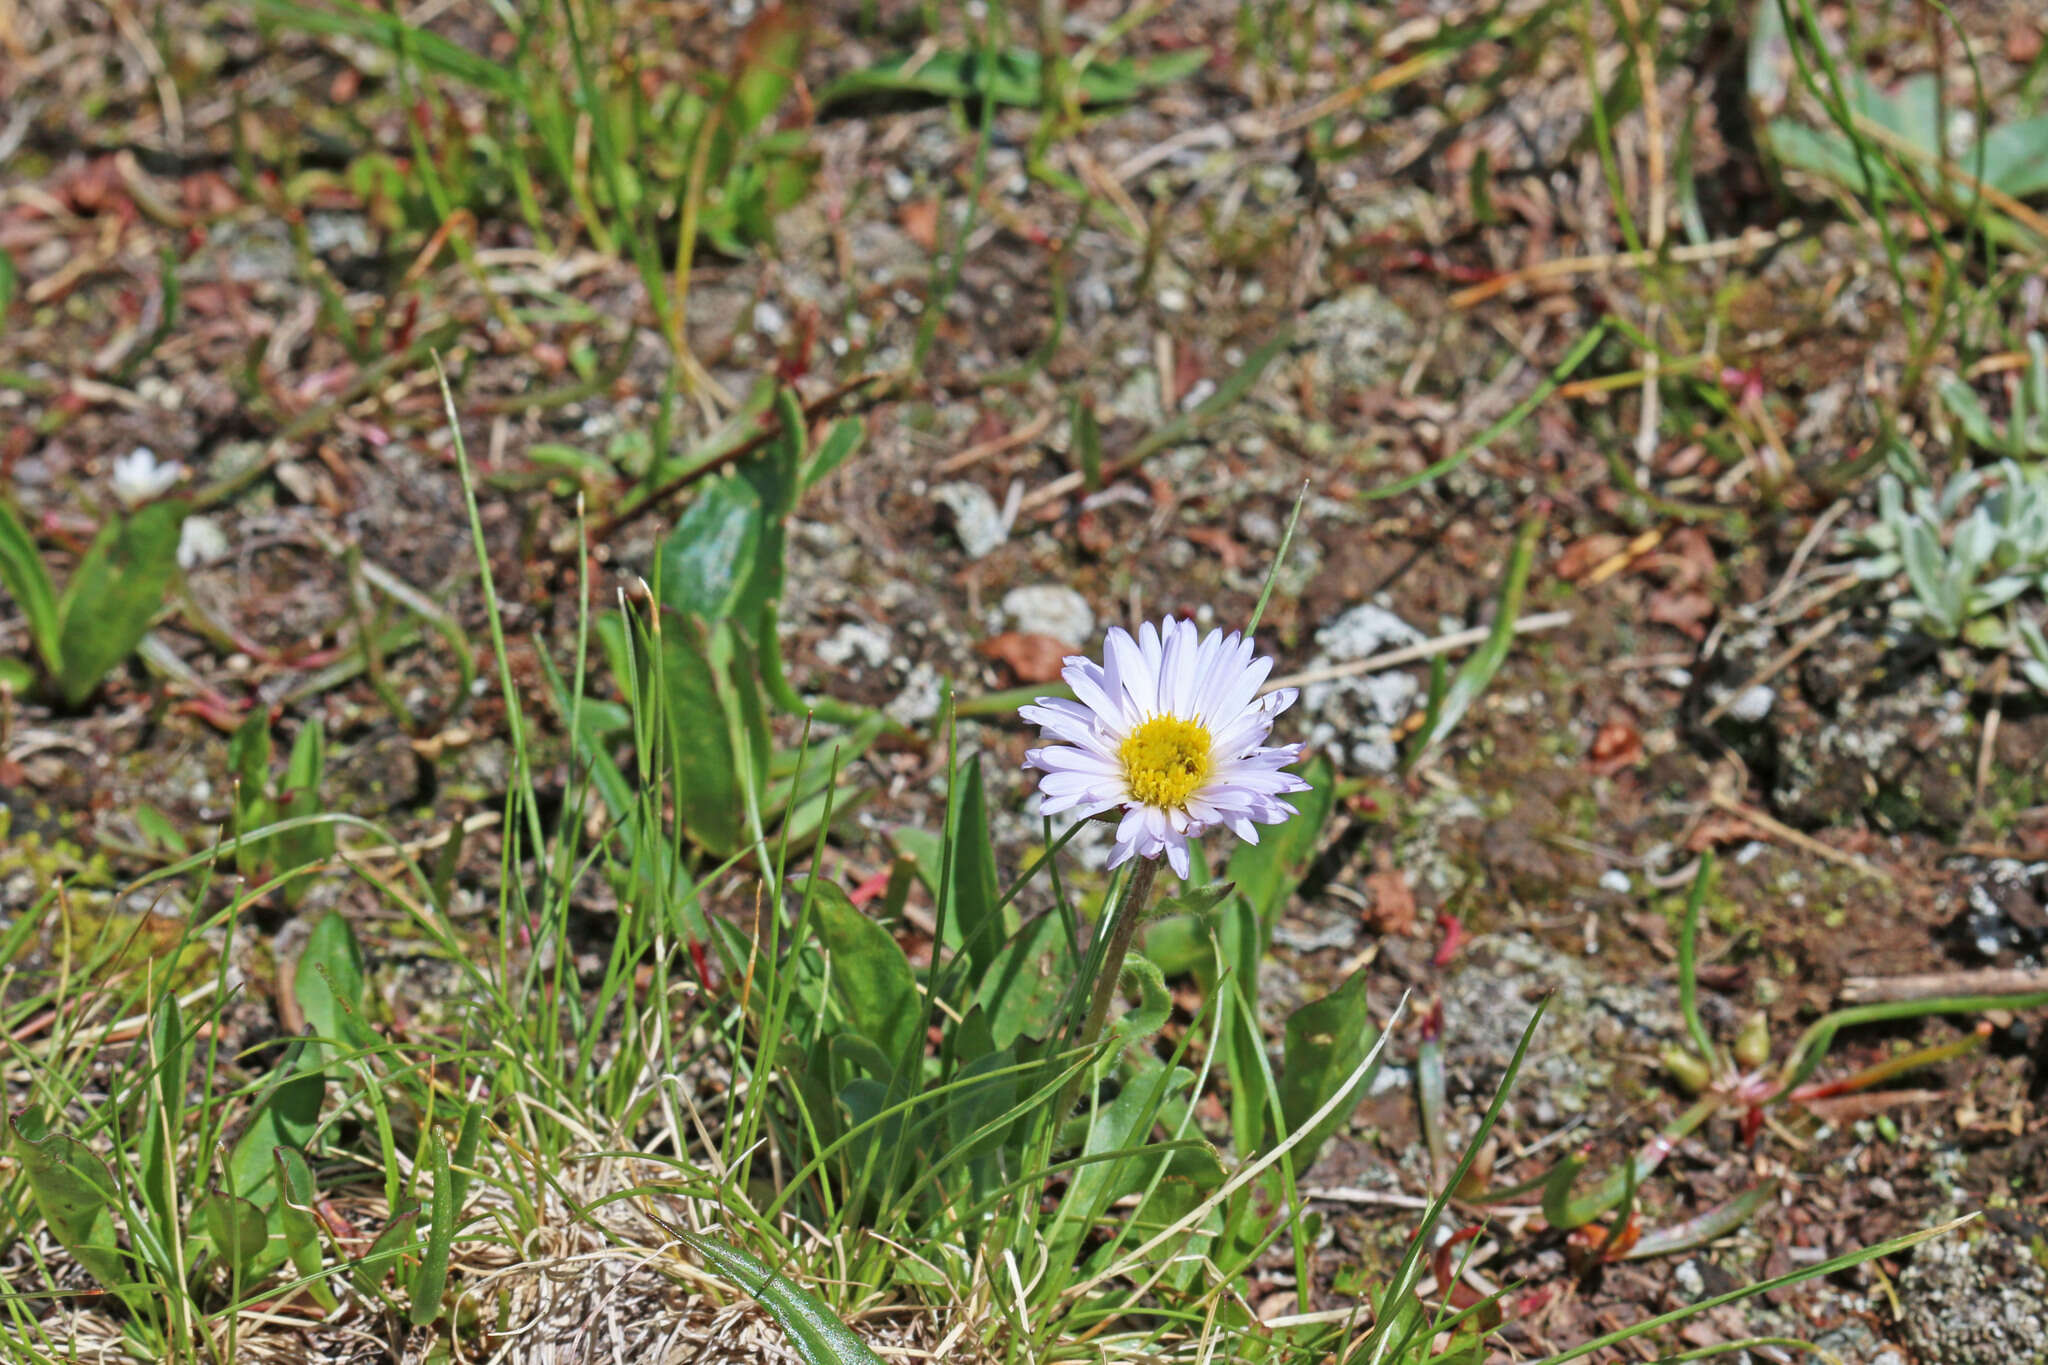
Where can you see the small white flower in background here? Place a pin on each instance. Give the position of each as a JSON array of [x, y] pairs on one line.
[[1170, 726], [139, 476]]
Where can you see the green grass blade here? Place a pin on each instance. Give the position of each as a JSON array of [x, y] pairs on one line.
[[28, 582]]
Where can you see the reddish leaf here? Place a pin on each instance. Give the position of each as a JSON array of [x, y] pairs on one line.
[[1581, 557], [1393, 904], [1617, 746], [1683, 611], [920, 220], [1030, 658]]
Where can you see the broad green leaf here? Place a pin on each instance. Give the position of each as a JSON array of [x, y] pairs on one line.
[[870, 975], [2015, 157], [776, 476], [1968, 410], [28, 583], [287, 1115], [816, 1334], [974, 926], [238, 1230], [1199, 900], [706, 561], [1010, 77], [698, 749], [300, 796], [394, 1245], [840, 442], [331, 989], [1326, 1040], [1119, 1126], [297, 1220], [1026, 982], [1190, 1176], [771, 50], [114, 593], [76, 1196]]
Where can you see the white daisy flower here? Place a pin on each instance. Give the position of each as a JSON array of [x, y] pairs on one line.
[[1169, 726], [139, 476]]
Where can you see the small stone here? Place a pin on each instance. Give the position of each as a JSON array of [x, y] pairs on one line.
[[768, 319], [201, 542], [1752, 704], [1359, 340], [1365, 630], [1615, 880], [1050, 609], [1690, 1281], [918, 702], [873, 645], [1259, 528], [976, 518]]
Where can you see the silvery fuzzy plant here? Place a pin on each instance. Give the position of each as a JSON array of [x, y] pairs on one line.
[[1994, 554]]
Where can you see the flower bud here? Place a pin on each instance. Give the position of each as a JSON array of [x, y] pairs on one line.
[[1686, 1068], [1753, 1044]]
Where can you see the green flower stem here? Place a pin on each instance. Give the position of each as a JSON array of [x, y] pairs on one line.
[[1123, 927]]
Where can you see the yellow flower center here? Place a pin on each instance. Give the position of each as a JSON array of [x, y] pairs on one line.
[[1165, 760]]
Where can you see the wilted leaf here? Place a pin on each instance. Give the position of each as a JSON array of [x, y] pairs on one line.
[[1030, 658], [1393, 904], [1618, 745]]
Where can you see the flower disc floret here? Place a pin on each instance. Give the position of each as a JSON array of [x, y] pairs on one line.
[[1165, 761], [1170, 728]]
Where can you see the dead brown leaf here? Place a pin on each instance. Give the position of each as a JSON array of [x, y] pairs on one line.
[[1684, 611], [1583, 555], [1618, 745], [1030, 658], [1719, 828], [1393, 903], [920, 220]]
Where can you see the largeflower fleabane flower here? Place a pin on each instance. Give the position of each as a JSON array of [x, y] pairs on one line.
[[1170, 726]]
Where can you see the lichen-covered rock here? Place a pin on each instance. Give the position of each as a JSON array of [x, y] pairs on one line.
[[1976, 1301], [1358, 340], [1862, 729]]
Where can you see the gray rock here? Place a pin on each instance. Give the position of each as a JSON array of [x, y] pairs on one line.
[[1976, 1301], [1050, 609], [872, 644], [918, 702], [1365, 630], [976, 518], [1358, 340]]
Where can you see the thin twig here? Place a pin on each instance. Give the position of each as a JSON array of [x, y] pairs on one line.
[[1428, 649], [1784, 660]]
